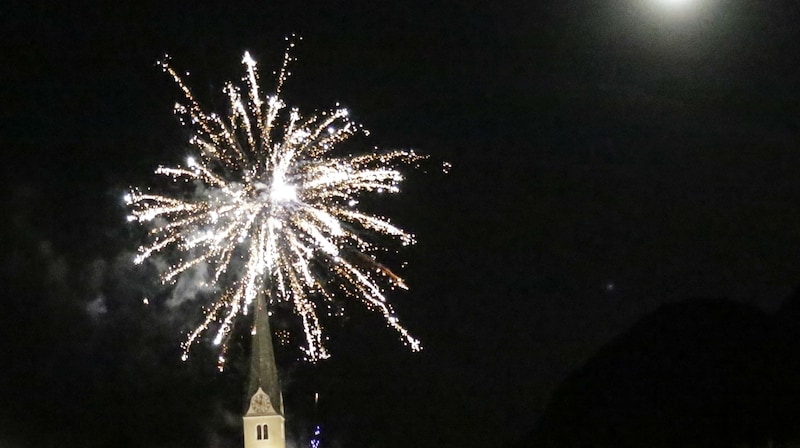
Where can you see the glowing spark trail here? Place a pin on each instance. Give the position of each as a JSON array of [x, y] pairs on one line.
[[268, 208]]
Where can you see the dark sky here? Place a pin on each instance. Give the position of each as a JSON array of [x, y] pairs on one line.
[[608, 157]]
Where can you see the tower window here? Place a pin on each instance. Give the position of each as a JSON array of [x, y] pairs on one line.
[[262, 432]]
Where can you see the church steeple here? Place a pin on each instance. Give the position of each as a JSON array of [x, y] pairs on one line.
[[263, 419], [263, 371]]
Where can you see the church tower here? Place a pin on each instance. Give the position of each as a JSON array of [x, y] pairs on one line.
[[263, 419]]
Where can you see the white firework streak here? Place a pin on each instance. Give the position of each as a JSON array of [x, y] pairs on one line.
[[273, 211]]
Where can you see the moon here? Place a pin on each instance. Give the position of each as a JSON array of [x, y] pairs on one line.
[[678, 11], [678, 7], [676, 3], [674, 6]]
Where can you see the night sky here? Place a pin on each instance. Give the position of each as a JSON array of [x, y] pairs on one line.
[[607, 158]]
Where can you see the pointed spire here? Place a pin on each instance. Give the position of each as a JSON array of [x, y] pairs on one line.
[[263, 372]]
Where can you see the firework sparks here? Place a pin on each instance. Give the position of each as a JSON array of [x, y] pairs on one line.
[[269, 208]]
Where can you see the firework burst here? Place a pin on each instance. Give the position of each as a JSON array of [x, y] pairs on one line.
[[266, 206]]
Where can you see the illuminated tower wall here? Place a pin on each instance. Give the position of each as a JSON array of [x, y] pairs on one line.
[[263, 419]]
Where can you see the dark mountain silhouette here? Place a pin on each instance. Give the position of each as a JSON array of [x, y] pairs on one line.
[[694, 373]]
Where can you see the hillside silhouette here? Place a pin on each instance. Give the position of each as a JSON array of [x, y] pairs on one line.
[[690, 374]]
